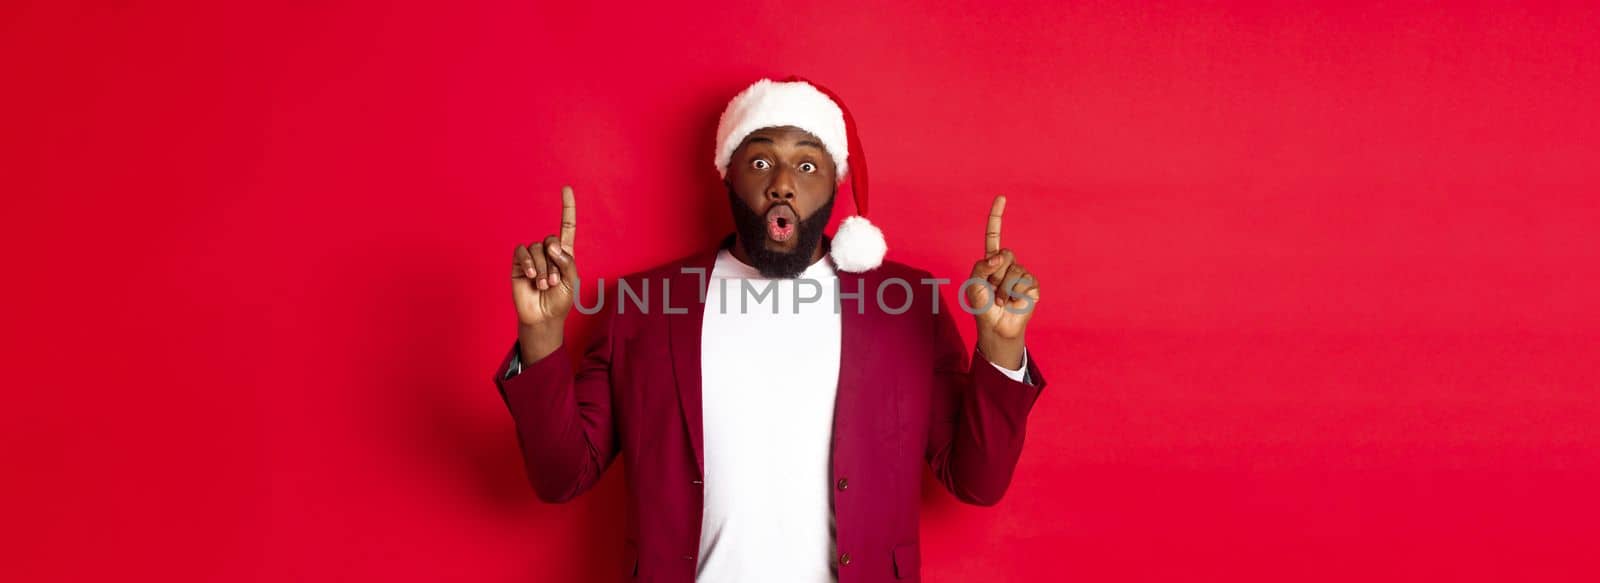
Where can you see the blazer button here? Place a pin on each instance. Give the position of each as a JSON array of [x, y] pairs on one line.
[[844, 484], [844, 559]]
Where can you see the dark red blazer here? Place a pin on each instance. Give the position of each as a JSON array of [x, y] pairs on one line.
[[907, 395]]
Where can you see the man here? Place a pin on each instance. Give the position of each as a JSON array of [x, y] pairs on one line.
[[775, 405]]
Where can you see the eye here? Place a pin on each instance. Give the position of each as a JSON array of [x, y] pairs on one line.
[[808, 167], [760, 164]]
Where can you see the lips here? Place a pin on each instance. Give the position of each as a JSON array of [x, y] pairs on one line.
[[781, 222]]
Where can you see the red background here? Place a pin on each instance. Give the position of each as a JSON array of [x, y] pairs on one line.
[[1320, 281]]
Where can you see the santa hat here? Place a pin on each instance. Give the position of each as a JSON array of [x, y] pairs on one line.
[[857, 244]]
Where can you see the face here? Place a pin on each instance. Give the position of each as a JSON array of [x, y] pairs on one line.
[[781, 184]]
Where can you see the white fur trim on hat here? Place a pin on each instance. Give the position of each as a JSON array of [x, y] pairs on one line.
[[768, 104], [858, 245]]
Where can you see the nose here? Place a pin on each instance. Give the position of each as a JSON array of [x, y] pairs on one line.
[[782, 186]]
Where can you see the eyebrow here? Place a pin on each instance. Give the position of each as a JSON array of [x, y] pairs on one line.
[[755, 139]]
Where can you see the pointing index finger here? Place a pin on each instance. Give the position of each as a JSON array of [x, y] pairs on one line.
[[569, 217], [991, 239]]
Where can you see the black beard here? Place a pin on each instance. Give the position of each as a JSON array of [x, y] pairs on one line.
[[752, 229]]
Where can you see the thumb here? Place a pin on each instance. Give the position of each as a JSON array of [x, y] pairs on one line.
[[978, 291], [988, 265], [564, 262]]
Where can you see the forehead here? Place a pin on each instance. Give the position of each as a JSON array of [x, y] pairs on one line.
[[787, 136]]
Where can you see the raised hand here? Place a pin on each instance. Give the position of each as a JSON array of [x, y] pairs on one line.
[[543, 283], [1008, 307]]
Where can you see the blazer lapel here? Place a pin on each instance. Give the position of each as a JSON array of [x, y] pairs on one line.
[[857, 352], [687, 293]]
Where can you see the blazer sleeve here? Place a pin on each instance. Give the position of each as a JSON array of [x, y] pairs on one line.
[[979, 416], [563, 415]]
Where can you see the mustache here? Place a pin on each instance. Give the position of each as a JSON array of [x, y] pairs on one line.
[[805, 220], [767, 209]]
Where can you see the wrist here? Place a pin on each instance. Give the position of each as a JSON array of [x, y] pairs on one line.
[[539, 340], [1006, 352]]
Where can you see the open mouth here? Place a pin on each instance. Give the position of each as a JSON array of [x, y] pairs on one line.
[[781, 223]]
